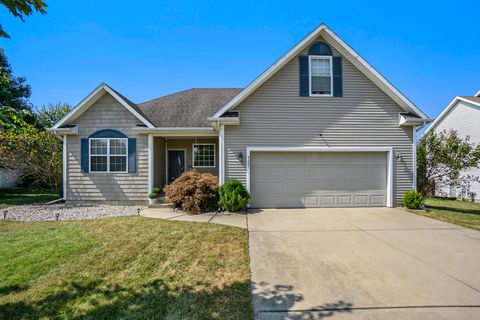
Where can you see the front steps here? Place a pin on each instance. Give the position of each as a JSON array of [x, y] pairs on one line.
[[161, 202]]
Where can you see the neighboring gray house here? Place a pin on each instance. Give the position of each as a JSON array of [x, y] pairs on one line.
[[463, 116], [319, 128]]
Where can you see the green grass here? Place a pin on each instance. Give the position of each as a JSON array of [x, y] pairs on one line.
[[466, 214], [14, 196], [123, 268]]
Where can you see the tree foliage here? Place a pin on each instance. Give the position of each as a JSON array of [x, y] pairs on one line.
[[14, 91], [50, 114], [36, 155], [15, 120], [442, 158], [21, 8]]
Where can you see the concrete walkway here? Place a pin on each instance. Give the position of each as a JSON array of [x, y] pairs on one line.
[[365, 263], [234, 220]]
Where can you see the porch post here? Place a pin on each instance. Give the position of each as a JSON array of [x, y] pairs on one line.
[[414, 157], [221, 162], [64, 166], [150, 163]]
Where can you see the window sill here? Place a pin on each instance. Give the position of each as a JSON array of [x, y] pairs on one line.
[[320, 95]]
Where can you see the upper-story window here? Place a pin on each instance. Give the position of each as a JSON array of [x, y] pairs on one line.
[[321, 80], [108, 154]]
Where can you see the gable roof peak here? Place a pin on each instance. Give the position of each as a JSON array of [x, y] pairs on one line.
[[93, 97], [346, 51]]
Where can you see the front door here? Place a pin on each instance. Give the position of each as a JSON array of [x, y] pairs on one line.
[[176, 164]]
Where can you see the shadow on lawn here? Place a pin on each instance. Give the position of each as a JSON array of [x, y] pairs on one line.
[[12, 289], [157, 300], [453, 210]]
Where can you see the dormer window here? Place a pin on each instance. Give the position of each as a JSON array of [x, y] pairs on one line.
[[320, 75]]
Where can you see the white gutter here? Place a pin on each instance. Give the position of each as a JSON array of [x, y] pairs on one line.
[[64, 131], [177, 132]]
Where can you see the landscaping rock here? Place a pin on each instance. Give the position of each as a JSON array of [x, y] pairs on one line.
[[41, 212]]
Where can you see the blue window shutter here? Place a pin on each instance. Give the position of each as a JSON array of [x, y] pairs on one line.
[[85, 165], [337, 77], [303, 60], [132, 155]]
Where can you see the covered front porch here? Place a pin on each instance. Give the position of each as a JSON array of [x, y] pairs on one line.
[[174, 155]]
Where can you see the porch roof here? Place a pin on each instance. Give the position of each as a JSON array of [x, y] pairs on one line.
[[187, 109]]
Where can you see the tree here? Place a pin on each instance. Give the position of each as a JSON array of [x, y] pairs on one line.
[[31, 151], [19, 8], [50, 114], [15, 120], [14, 91], [36, 155], [442, 158]]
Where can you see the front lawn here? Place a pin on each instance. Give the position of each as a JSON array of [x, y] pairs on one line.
[[9, 197], [128, 268], [466, 214]]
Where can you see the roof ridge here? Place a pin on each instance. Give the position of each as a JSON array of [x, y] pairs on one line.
[[174, 93]]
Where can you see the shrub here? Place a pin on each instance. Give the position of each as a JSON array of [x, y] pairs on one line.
[[155, 193], [412, 199], [194, 192], [233, 196]]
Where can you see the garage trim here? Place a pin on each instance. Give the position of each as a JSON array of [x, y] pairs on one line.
[[388, 150]]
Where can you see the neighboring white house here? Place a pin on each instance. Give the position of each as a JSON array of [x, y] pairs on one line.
[[462, 115]]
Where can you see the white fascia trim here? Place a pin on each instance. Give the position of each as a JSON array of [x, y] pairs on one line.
[[84, 105], [477, 94], [405, 121], [447, 110], [64, 131], [388, 88], [177, 132], [225, 120], [387, 150]]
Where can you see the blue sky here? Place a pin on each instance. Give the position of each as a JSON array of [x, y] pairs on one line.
[[429, 50]]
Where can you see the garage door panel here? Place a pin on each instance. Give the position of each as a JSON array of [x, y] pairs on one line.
[[316, 179], [344, 199], [377, 199], [295, 173]]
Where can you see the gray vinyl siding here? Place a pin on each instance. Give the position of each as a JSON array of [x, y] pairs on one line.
[[465, 119], [275, 115], [159, 171], [106, 113]]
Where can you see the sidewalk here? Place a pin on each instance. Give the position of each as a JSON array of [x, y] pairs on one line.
[[229, 219]]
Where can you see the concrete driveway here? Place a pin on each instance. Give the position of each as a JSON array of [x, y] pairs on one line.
[[365, 263]]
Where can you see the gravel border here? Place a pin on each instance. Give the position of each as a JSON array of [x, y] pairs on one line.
[[53, 212]]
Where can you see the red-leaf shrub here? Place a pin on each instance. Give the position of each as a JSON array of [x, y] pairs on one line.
[[194, 192]]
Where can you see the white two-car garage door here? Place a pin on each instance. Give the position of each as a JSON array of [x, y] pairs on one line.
[[318, 179]]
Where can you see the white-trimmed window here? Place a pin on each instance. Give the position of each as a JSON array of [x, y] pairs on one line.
[[203, 155], [320, 79], [108, 154]]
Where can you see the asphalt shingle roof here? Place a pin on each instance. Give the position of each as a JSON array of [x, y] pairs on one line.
[[189, 108], [474, 99]]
